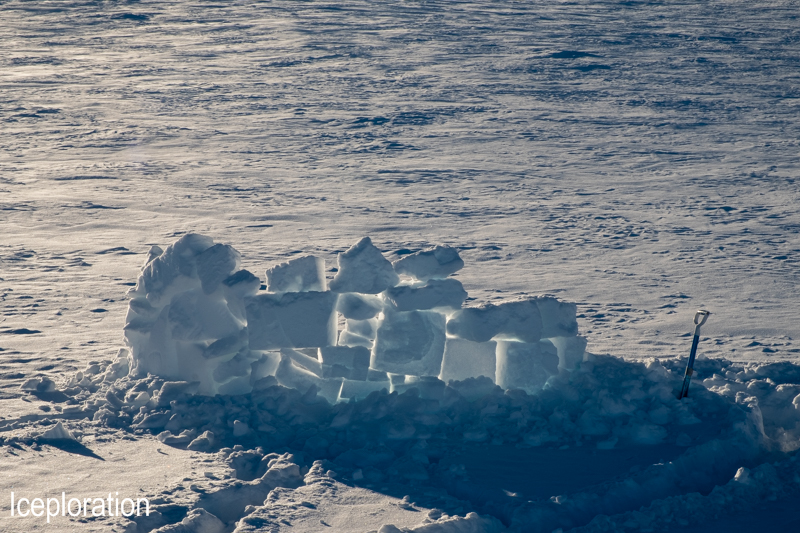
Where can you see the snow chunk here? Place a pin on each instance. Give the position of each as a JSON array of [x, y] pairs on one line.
[[466, 359], [57, 432], [519, 321], [358, 390], [445, 293], [430, 264], [347, 338], [359, 306], [197, 521], [410, 342], [571, 351], [523, 365], [364, 328], [194, 316], [215, 264], [173, 271], [558, 318], [303, 274], [350, 357], [291, 320], [363, 269]]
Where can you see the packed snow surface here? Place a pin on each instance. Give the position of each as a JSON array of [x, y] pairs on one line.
[[636, 159]]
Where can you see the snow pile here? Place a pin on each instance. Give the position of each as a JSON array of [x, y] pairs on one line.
[[731, 444], [194, 316]]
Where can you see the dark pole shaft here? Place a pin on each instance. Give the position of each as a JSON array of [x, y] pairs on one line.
[[689, 369], [699, 319]]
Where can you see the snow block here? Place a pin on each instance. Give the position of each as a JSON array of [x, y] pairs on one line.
[[410, 343], [444, 293], [195, 316], [172, 272], [363, 269], [437, 263], [359, 306], [341, 371], [429, 387], [358, 390], [345, 362], [215, 264], [351, 357], [298, 275], [347, 338], [519, 321], [291, 320], [291, 375], [523, 365], [238, 286], [364, 328], [558, 318], [570, 351], [307, 362], [266, 364], [466, 359]]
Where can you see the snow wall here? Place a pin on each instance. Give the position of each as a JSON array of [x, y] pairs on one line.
[[195, 316]]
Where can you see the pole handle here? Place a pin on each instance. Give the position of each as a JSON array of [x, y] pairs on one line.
[[700, 317]]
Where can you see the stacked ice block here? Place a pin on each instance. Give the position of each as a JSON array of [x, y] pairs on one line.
[[195, 316]]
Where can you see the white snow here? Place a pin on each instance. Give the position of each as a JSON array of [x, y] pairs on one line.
[[636, 159]]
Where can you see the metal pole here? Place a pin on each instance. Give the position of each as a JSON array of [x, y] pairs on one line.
[[699, 319]]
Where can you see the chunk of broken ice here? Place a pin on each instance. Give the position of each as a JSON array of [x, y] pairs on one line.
[[430, 264], [362, 268], [302, 274]]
